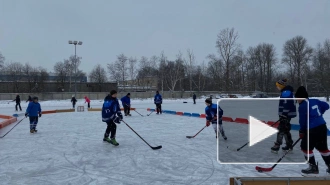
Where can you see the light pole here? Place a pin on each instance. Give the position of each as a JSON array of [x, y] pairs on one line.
[[75, 43]]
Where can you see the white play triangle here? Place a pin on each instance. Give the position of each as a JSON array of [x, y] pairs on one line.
[[259, 131]]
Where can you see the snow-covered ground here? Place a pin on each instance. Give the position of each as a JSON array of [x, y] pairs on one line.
[[68, 148]]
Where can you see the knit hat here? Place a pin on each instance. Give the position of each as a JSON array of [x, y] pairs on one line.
[[128, 94], [208, 100], [113, 92], [281, 83], [157, 92], [301, 92]]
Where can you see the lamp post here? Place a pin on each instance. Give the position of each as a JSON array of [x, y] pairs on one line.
[[75, 43]]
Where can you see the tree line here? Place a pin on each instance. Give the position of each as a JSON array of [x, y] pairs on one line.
[[229, 69]]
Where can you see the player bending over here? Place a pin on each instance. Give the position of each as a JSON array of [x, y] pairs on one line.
[[317, 130], [33, 110], [286, 111], [111, 114], [214, 115]]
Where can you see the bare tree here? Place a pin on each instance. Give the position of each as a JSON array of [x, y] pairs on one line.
[[174, 72], [215, 73], [118, 70], [15, 72], [189, 64], [62, 72], [321, 68], [98, 75], [227, 47], [132, 70], [2, 61], [297, 53], [161, 68], [199, 78]]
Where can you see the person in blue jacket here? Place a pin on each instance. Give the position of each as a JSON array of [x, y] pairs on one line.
[[33, 111], [158, 101], [312, 124], [111, 114], [126, 102], [214, 114], [286, 111]]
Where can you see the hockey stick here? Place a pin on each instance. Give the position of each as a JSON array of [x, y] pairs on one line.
[[154, 148], [13, 127], [260, 169], [196, 134], [138, 113], [151, 112], [238, 149]]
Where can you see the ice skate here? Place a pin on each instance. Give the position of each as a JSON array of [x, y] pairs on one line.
[[114, 142], [287, 148], [311, 171], [107, 139], [129, 114], [31, 131], [275, 148]]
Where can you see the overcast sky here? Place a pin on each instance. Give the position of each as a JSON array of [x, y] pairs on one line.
[[37, 31]]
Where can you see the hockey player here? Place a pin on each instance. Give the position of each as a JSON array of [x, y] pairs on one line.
[[317, 130], [88, 101], [126, 102], [194, 98], [286, 111], [18, 103], [111, 114], [73, 101], [158, 101], [33, 110], [214, 115], [29, 99]]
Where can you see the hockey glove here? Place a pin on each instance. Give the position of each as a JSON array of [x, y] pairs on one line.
[[39, 115], [117, 120], [120, 115], [26, 115], [284, 120], [208, 123], [302, 133]]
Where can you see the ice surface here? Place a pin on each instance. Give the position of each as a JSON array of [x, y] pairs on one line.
[[68, 148]]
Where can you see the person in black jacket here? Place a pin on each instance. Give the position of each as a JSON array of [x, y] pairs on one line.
[[18, 102], [29, 99], [73, 100], [194, 98]]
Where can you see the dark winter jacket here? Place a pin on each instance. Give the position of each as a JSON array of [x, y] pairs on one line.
[[158, 99], [29, 99], [287, 107], [194, 96], [110, 109], [126, 101], [73, 100], [212, 113], [33, 109], [316, 110], [17, 99]]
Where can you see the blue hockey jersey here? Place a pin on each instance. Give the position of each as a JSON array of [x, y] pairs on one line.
[[158, 99], [125, 101], [316, 110], [33, 109], [213, 111], [110, 109], [287, 107]]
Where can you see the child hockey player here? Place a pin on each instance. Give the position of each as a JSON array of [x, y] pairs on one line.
[[73, 100], [29, 99], [33, 110], [158, 101], [214, 115], [18, 103], [317, 130], [88, 101], [111, 114], [126, 102], [286, 111]]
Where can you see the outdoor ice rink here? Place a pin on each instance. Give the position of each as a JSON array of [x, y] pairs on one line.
[[68, 148]]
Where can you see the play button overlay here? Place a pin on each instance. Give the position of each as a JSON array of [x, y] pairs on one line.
[[259, 131], [249, 134]]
